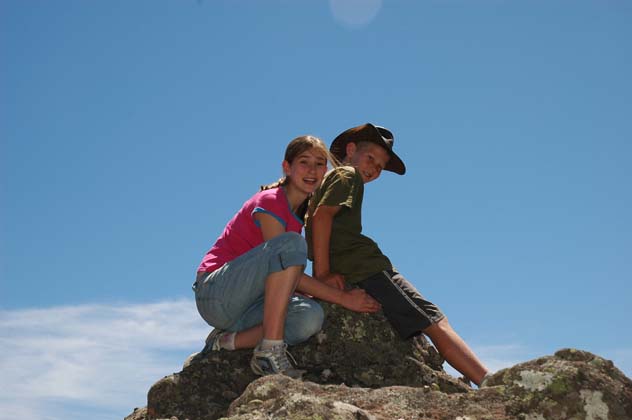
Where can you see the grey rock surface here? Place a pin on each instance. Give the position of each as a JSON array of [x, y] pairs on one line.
[[572, 384], [358, 368]]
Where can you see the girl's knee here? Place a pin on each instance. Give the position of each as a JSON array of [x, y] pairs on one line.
[[290, 249], [314, 320], [294, 241], [304, 322]]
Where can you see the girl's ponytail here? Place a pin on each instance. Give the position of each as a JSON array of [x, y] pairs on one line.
[[281, 182]]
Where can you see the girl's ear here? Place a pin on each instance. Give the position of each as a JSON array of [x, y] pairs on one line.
[[286, 167], [350, 149]]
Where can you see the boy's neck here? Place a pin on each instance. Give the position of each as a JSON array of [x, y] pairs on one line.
[[347, 163]]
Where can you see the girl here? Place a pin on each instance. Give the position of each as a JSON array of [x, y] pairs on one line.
[[245, 284]]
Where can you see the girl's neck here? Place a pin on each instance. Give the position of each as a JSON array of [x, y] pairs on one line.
[[294, 197]]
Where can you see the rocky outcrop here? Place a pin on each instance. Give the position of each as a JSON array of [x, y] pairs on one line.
[[354, 349], [358, 368], [571, 384]]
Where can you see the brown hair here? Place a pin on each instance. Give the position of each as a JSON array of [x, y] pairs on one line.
[[295, 148]]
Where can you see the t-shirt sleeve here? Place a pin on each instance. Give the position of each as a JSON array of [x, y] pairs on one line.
[[339, 189], [270, 204]]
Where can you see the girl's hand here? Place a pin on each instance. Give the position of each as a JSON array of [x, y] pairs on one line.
[[359, 301]]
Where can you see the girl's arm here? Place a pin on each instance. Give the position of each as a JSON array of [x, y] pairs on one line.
[[270, 227]]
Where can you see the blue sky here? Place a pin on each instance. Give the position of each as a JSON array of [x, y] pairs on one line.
[[131, 131]]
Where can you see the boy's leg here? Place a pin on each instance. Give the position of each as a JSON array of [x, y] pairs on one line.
[[406, 309], [410, 314], [456, 351]]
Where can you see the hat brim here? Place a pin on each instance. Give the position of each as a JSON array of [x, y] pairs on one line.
[[367, 132]]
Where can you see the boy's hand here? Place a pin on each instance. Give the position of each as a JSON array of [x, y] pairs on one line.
[[359, 301], [334, 280]]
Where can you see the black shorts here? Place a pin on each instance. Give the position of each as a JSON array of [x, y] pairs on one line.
[[405, 308]]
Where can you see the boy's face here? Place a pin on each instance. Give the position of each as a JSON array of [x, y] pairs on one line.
[[368, 158]]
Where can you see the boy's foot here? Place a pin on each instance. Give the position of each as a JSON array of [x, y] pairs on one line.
[[485, 381], [274, 360], [466, 381]]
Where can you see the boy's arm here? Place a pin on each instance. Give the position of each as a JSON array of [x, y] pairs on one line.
[[355, 299], [322, 221]]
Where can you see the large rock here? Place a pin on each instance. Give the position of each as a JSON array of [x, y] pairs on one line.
[[572, 385], [358, 368], [354, 349]]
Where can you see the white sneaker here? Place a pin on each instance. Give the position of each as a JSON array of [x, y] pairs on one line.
[[274, 360], [213, 341]]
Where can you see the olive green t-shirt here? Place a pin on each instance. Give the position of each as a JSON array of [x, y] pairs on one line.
[[351, 254]]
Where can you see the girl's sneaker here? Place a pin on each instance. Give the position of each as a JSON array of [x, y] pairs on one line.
[[212, 341], [212, 344], [274, 360]]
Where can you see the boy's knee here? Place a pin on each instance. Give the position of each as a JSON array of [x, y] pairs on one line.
[[441, 327]]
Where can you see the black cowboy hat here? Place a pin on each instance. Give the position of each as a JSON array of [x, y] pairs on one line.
[[371, 133]]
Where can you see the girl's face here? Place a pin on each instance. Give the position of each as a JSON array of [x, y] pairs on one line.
[[307, 170]]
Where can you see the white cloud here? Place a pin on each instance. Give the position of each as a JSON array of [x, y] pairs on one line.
[[497, 357], [355, 13], [99, 360]]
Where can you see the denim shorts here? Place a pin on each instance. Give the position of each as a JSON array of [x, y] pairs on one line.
[[406, 309], [231, 297]]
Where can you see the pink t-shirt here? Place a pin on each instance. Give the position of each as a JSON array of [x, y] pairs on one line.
[[242, 233]]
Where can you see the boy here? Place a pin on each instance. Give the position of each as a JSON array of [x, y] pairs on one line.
[[341, 253]]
